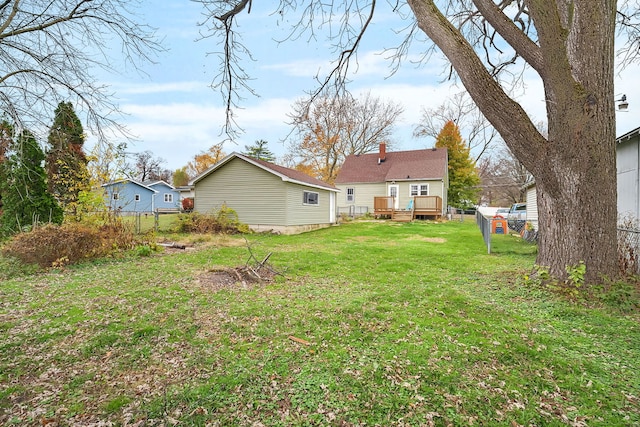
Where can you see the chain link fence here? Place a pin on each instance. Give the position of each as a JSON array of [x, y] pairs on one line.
[[144, 222], [629, 250], [352, 211]]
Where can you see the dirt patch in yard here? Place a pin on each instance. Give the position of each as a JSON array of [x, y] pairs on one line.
[[238, 278], [428, 239]]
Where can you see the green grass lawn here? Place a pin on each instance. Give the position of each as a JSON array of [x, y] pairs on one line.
[[373, 323], [147, 222]]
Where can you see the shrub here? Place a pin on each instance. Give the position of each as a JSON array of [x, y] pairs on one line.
[[224, 221], [144, 250], [58, 245], [187, 204]]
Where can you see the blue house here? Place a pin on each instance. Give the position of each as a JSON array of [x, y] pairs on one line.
[[167, 196], [128, 196]]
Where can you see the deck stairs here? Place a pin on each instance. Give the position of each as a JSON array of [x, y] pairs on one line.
[[402, 216]]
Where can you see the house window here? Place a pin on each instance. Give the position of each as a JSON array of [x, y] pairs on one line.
[[351, 195], [168, 198], [136, 197], [310, 198], [419, 189], [115, 196]]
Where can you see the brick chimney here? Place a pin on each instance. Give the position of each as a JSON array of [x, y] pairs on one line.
[[383, 152]]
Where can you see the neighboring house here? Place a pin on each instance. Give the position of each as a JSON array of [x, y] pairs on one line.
[[532, 203], [167, 196], [185, 191], [628, 166], [128, 196], [400, 175], [266, 196], [186, 197], [628, 180]]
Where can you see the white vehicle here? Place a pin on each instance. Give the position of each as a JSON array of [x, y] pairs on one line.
[[517, 216]]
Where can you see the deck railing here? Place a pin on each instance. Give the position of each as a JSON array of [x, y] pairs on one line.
[[384, 205], [418, 206], [427, 205]]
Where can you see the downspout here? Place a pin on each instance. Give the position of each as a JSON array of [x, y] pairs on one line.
[[443, 208]]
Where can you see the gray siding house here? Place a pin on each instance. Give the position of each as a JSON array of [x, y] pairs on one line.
[[628, 168], [532, 203], [266, 196], [628, 179]]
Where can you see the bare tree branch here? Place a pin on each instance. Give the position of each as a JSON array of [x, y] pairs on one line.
[[628, 23], [49, 51], [332, 127], [232, 80], [481, 137]]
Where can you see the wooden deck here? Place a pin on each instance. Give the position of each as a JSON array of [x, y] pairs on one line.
[[383, 207], [427, 206], [419, 206]]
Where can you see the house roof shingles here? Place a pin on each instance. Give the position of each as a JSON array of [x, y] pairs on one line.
[[293, 174], [397, 166], [285, 173]]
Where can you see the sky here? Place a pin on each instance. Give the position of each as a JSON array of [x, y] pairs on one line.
[[172, 111]]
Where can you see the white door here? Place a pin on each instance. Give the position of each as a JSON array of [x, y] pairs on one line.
[[332, 207], [394, 191]]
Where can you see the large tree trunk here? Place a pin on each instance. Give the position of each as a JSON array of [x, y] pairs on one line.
[[574, 166]]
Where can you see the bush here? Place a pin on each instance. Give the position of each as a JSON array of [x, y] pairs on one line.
[[187, 204], [144, 250], [224, 221], [58, 245]]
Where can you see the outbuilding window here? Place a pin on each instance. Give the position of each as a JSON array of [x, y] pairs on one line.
[[168, 198], [137, 197], [310, 198]]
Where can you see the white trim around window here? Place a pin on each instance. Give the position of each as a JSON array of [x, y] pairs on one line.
[[311, 198], [168, 198], [418, 190], [136, 197], [351, 195]]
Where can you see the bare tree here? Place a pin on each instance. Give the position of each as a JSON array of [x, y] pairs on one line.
[[148, 167], [49, 49], [460, 109], [570, 45], [502, 179], [330, 128]]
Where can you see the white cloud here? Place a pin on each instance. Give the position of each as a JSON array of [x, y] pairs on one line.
[[178, 131], [158, 88], [299, 68]]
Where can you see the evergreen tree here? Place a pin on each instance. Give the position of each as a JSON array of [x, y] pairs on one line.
[[24, 188], [463, 178], [260, 151], [66, 162]]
